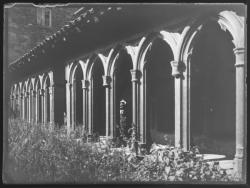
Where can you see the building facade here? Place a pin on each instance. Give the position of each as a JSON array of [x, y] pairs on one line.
[[181, 70]]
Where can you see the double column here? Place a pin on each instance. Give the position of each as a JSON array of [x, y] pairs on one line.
[[240, 159], [85, 88], [107, 84], [42, 105], [51, 103], [68, 106], [33, 105], [136, 74], [182, 107]]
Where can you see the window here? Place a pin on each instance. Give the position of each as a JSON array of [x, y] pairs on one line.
[[44, 17]]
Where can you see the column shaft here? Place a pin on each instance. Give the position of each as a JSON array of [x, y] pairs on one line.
[[135, 111], [240, 159], [51, 93], [37, 107], [107, 85], [85, 85], [68, 99], [45, 98]]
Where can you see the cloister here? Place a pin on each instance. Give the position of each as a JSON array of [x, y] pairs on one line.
[[183, 77]]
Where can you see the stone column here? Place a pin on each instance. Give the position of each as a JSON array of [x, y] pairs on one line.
[[136, 74], [16, 105], [85, 86], [37, 107], [73, 104], [51, 108], [90, 109], [181, 126], [33, 99], [28, 106], [42, 105], [45, 98], [23, 106], [107, 85], [68, 99], [240, 160]]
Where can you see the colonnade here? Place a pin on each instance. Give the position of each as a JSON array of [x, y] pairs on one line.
[[26, 99], [33, 103]]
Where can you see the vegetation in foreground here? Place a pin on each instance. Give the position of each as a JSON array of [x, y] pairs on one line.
[[38, 154]]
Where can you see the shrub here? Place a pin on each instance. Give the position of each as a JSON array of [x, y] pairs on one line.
[[40, 155]]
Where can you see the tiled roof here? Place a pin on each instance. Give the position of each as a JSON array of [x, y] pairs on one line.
[[89, 16]]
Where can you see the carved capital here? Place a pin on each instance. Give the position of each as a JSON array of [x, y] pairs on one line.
[[51, 90], [177, 69], [106, 81], [27, 94], [41, 91], [239, 56], [68, 84], [136, 75], [85, 84]]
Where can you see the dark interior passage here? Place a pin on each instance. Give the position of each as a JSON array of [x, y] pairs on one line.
[[213, 92], [98, 99], [123, 88], [160, 94], [78, 96]]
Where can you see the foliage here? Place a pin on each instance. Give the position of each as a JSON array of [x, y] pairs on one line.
[[39, 154]]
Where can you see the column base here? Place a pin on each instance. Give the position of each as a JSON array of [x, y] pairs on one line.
[[239, 169]]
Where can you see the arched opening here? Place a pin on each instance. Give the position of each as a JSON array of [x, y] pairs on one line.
[[123, 91], [78, 77], [213, 91], [47, 86], [98, 94], [159, 94]]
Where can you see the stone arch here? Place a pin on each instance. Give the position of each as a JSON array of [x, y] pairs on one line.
[[235, 26], [113, 55], [77, 77], [89, 65], [120, 65], [30, 84], [95, 70], [228, 20], [171, 39], [156, 69], [38, 99]]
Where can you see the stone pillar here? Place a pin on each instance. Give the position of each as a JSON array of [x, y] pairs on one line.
[[21, 105], [136, 74], [182, 136], [51, 94], [45, 98], [28, 106], [37, 107], [16, 105], [85, 86], [107, 85], [42, 105], [240, 159], [73, 105], [68, 99], [90, 108], [33, 99]]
